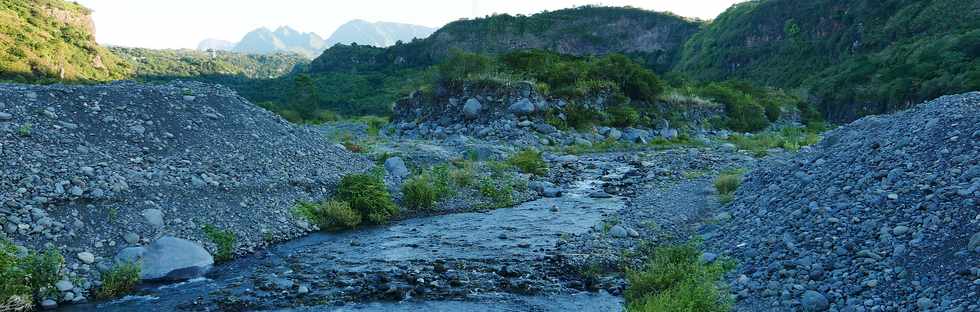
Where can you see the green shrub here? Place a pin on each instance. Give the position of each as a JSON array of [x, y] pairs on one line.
[[675, 279], [622, 116], [367, 194], [224, 240], [419, 193], [501, 195], [529, 161], [329, 215], [727, 183], [374, 124], [119, 280], [24, 130], [22, 277]]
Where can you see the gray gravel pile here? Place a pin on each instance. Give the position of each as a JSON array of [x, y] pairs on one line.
[[882, 215], [92, 169]]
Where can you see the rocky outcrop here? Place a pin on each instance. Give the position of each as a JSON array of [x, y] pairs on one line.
[[168, 259], [878, 216], [98, 168]]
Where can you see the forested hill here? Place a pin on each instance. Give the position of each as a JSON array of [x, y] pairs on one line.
[[851, 57], [654, 37], [48, 40]]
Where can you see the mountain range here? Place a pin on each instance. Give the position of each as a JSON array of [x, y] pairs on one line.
[[287, 39]]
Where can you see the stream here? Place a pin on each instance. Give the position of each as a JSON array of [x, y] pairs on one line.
[[498, 260]]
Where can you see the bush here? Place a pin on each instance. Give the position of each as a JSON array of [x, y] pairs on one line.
[[20, 277], [727, 183], [623, 116], [501, 195], [676, 279], [329, 215], [529, 161], [367, 195], [224, 241], [118, 281], [419, 193]]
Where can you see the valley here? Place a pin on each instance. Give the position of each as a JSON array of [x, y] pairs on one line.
[[781, 157]]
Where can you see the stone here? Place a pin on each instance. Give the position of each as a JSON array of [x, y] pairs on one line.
[[303, 290], [49, 304], [396, 168], [669, 134], [709, 257], [975, 242], [64, 285], [813, 301], [619, 231], [614, 134], [551, 192], [521, 107], [172, 259], [583, 142], [6, 116], [153, 217], [900, 230], [544, 128], [472, 108], [131, 238], [86, 257]]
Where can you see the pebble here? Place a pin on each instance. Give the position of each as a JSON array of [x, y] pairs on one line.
[[86, 257]]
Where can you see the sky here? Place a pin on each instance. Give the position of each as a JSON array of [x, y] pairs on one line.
[[160, 24]]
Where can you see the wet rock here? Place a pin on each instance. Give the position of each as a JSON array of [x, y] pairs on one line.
[[49, 304], [64, 285], [6, 116], [171, 258], [600, 194], [618, 231]]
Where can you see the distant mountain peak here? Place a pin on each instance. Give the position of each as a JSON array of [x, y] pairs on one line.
[[379, 34]]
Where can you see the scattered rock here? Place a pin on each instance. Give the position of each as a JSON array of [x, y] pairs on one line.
[[153, 217], [396, 168], [86, 257], [171, 258], [813, 301], [472, 108]]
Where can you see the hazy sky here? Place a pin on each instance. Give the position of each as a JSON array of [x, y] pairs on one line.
[[184, 23]]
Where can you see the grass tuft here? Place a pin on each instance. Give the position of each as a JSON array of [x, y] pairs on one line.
[[367, 194], [529, 161], [676, 279], [330, 215], [224, 240], [119, 280], [727, 183]]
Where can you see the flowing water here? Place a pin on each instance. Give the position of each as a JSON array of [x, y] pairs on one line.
[[499, 260]]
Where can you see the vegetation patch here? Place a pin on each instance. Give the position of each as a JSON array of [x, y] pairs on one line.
[[529, 161], [119, 280], [676, 279], [500, 194], [22, 277], [727, 183], [329, 215], [367, 194], [224, 241], [787, 138]]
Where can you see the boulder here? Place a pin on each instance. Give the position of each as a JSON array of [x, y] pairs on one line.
[[6, 116], [669, 134], [153, 217], [614, 134], [395, 167], [544, 128], [472, 108], [169, 259], [813, 301], [521, 107]]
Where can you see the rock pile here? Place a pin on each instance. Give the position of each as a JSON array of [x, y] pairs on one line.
[[515, 114], [93, 169], [882, 215]]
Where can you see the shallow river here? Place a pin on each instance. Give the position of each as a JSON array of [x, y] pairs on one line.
[[455, 262]]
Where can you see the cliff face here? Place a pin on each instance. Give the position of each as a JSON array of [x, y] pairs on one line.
[[852, 57], [53, 40], [654, 37]]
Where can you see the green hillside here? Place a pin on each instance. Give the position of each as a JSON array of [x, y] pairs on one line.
[[851, 57], [165, 64], [49, 40]]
